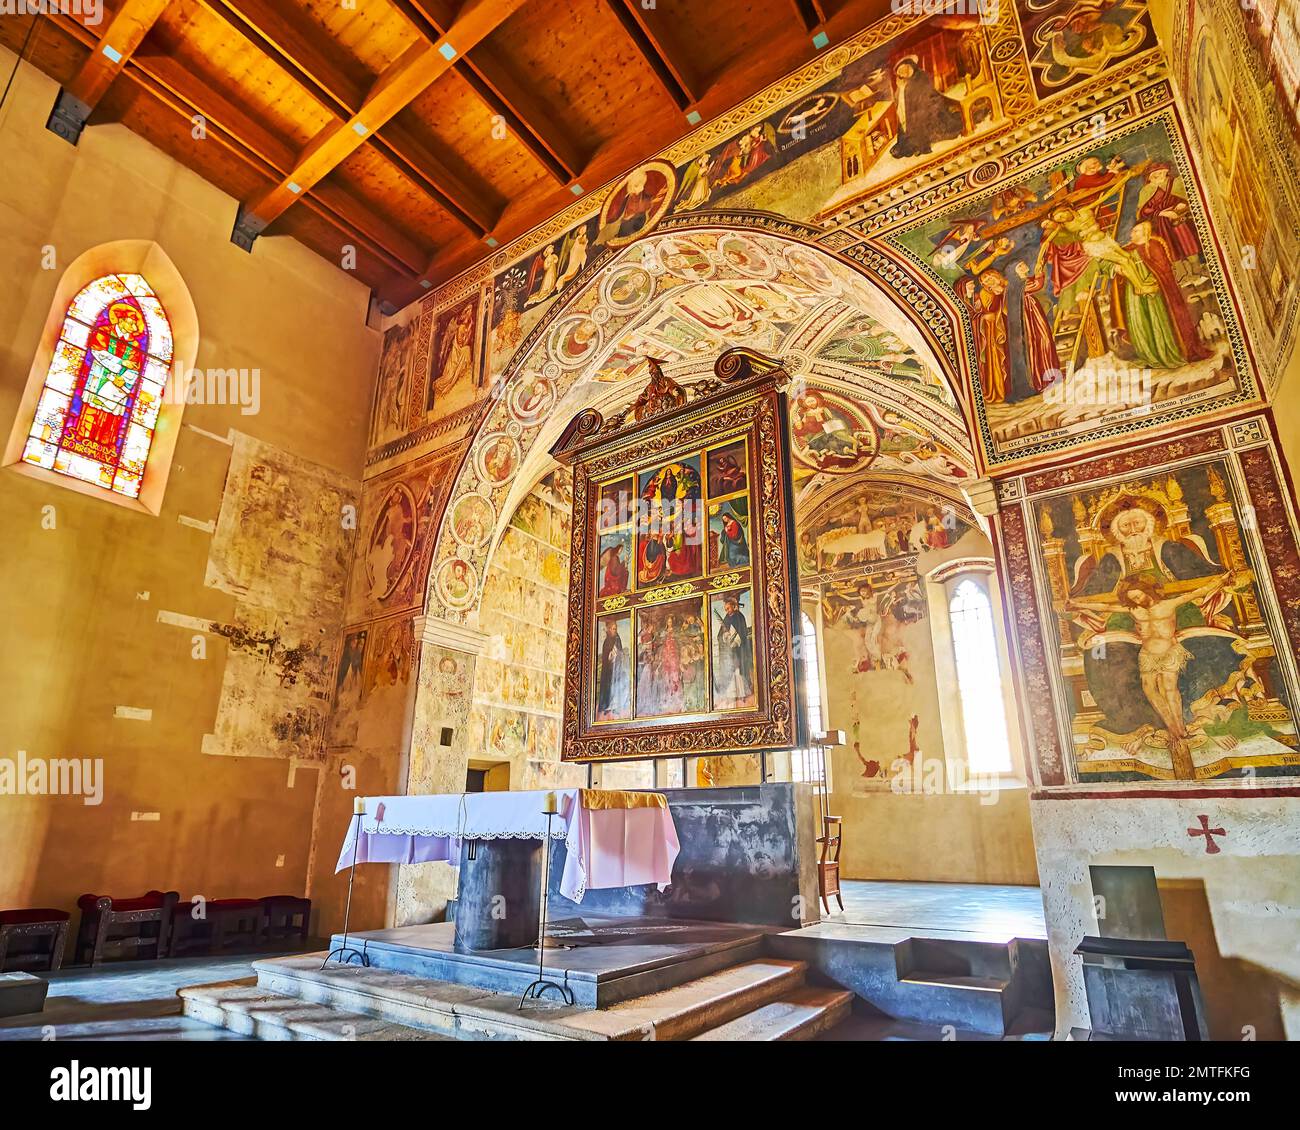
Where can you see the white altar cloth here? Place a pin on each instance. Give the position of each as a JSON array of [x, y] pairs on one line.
[[606, 847]]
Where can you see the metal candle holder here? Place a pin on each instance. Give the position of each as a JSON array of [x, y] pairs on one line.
[[538, 988], [346, 953]]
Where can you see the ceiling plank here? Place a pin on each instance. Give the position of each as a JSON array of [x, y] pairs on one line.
[[651, 32], [399, 84], [181, 91], [492, 79], [109, 54], [304, 53]]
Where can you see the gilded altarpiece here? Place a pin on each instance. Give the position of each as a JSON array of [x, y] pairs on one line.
[[682, 589], [1156, 612]]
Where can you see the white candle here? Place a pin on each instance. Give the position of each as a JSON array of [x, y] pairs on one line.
[[548, 803], [359, 806]]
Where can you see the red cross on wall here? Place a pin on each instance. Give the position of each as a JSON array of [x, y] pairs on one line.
[[1211, 848]]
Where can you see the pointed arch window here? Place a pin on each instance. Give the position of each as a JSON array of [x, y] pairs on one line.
[[98, 409]]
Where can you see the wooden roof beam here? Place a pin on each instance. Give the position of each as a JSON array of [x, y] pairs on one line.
[[177, 88], [811, 13], [490, 77], [400, 83], [301, 51], [109, 55], [651, 31]]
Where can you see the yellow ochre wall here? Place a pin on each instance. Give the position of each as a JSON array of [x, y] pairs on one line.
[[79, 603]]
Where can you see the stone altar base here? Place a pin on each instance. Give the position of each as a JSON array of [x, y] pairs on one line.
[[601, 960]]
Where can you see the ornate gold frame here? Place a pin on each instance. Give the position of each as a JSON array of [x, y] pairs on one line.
[[744, 399]]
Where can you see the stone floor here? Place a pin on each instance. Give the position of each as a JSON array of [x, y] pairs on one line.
[[137, 1000], [967, 908], [129, 1000]]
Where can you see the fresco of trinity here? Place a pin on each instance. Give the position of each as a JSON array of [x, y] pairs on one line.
[[665, 640], [1166, 649]]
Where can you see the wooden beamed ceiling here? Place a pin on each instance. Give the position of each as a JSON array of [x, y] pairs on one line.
[[420, 132]]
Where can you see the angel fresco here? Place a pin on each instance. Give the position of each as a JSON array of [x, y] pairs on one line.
[[877, 621], [1086, 37]]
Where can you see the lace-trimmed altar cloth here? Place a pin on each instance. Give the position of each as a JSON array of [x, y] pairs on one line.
[[614, 838]]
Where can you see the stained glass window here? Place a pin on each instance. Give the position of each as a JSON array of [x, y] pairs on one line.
[[99, 406]]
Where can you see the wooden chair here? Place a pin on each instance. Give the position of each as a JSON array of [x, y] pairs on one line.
[[285, 919], [125, 925], [32, 939], [828, 866]]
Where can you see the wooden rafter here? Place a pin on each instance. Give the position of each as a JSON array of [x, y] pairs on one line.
[[109, 54], [399, 84], [811, 13], [300, 50], [492, 80], [181, 91], [651, 31]]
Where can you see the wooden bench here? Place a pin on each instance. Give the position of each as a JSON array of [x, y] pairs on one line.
[[32, 938], [125, 925]]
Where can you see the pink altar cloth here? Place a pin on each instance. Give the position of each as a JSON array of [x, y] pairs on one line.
[[607, 847]]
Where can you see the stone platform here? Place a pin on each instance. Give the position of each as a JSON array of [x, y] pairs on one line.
[[602, 961]]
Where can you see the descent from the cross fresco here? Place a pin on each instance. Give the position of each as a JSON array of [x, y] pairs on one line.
[[1094, 295]]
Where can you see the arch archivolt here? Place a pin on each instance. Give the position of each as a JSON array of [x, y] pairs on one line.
[[685, 295]]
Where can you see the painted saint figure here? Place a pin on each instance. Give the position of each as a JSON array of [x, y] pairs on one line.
[[925, 117], [612, 677], [733, 675]]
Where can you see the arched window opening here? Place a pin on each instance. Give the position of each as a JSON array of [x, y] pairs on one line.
[[979, 681], [98, 409], [806, 764]]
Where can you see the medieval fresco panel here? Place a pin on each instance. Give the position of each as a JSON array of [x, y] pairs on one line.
[[1070, 41], [859, 553], [1095, 296], [1243, 124], [280, 547], [399, 515], [1169, 657]]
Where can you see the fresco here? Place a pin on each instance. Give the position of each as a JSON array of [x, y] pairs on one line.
[[1070, 41], [397, 518], [518, 692], [452, 382], [288, 601], [1235, 112], [858, 558], [1092, 299], [927, 92], [876, 526], [395, 386], [1174, 669], [1156, 626]]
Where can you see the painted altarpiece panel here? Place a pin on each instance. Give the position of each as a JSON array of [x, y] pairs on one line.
[[1155, 612], [682, 585]]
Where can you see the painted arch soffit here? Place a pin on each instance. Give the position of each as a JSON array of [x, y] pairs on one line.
[[686, 297]]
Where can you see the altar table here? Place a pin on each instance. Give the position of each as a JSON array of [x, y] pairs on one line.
[[614, 838]]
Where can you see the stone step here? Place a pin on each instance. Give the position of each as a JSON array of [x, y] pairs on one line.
[[964, 1001], [469, 1013], [801, 1014], [242, 1007], [685, 1011]]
